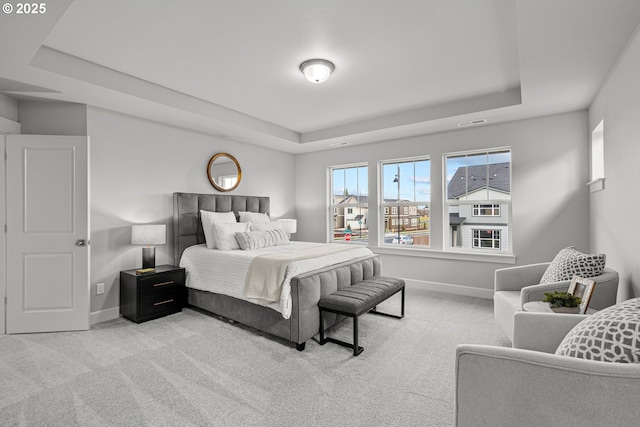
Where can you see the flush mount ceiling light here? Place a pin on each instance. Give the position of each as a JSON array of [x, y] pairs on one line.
[[317, 70]]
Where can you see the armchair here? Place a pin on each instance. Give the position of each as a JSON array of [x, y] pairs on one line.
[[501, 386], [515, 286]]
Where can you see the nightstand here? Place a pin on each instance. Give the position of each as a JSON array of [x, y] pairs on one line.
[[151, 295]]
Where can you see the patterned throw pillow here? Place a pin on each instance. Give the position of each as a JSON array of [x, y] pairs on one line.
[[610, 335], [569, 261]]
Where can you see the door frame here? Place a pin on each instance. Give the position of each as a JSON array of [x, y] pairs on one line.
[[6, 127]]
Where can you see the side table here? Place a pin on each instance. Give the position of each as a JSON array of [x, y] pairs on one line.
[[151, 295], [543, 307]]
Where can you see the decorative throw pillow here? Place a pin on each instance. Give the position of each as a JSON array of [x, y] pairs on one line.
[[254, 217], [610, 335], [208, 219], [225, 234], [273, 225], [261, 239], [569, 261]]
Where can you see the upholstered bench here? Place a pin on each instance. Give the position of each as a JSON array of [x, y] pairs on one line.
[[357, 299]]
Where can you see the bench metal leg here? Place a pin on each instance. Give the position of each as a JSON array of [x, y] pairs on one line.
[[356, 348], [322, 340], [395, 316]]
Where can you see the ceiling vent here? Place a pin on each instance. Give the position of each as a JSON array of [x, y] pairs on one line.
[[472, 123]]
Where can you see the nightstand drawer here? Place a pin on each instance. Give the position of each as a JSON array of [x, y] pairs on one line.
[[160, 282], [161, 303]]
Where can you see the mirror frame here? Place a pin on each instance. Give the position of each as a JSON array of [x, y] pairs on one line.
[[213, 182]]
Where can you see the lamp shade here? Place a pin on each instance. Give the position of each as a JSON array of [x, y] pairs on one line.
[[289, 225], [317, 70], [149, 234]]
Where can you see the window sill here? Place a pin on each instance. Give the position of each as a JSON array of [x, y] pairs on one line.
[[596, 185], [450, 255]]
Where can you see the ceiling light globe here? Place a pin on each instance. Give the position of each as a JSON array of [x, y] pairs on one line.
[[317, 70]]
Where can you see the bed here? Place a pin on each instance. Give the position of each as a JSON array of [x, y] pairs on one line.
[[305, 289]]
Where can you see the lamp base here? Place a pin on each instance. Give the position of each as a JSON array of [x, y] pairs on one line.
[[149, 257]]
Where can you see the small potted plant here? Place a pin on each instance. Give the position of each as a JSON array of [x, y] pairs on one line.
[[562, 302]]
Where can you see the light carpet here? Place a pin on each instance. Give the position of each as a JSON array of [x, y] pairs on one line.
[[194, 369]]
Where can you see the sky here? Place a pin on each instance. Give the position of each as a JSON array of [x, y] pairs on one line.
[[415, 176]]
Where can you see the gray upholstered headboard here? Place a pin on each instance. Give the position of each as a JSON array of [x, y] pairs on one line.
[[187, 228]]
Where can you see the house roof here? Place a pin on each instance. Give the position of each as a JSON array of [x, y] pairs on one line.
[[499, 175], [456, 219], [341, 198]]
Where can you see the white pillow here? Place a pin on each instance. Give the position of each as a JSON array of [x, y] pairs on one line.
[[226, 234], [254, 217], [273, 225], [261, 239], [208, 219]]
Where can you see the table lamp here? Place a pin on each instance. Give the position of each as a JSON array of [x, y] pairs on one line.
[[289, 226], [149, 234]]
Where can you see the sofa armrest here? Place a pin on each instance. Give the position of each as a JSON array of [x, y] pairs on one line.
[[536, 292], [515, 278], [542, 331], [500, 386]]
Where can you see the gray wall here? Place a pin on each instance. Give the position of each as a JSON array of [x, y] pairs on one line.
[[549, 196], [8, 108], [52, 118], [137, 164], [614, 211]]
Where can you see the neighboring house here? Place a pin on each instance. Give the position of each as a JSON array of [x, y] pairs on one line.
[[406, 218], [481, 225], [353, 217]]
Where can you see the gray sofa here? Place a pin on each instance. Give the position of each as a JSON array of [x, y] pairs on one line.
[[501, 386], [515, 286]]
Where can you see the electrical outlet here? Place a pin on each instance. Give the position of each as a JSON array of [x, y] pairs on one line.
[[100, 289]]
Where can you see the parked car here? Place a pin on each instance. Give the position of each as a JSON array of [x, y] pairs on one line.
[[403, 240]]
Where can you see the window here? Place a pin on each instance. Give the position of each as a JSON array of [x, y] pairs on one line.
[[349, 204], [597, 152], [597, 158], [486, 239], [486, 210], [478, 202], [406, 194]]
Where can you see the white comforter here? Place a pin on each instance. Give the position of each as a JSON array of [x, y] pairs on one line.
[[224, 272]]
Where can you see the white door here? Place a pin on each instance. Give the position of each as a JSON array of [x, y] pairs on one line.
[[47, 233]]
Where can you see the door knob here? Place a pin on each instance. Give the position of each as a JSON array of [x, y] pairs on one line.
[[81, 242]]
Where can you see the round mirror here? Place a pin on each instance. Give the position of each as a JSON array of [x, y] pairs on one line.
[[224, 172]]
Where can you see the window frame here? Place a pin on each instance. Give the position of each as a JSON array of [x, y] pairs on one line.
[[478, 208], [394, 209], [334, 208], [480, 239], [504, 205], [597, 158]]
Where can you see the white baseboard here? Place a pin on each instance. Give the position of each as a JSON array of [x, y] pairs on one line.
[[114, 312], [104, 315], [448, 288]]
